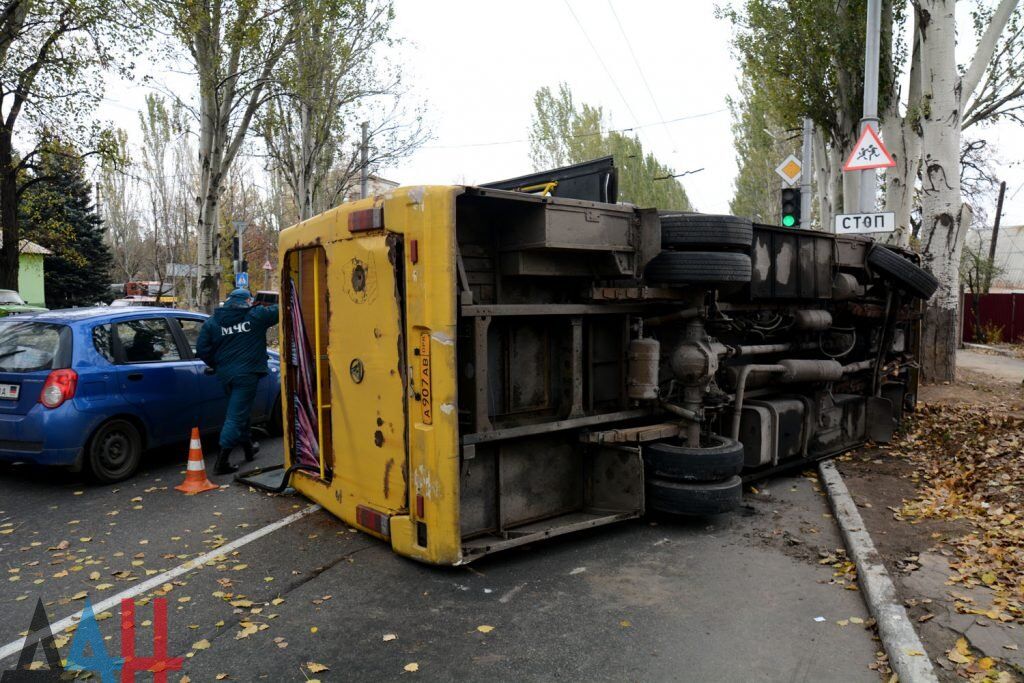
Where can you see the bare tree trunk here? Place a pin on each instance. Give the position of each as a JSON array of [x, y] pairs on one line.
[[8, 214], [206, 227], [904, 144], [306, 161], [942, 233]]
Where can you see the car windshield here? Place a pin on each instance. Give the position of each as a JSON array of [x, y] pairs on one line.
[[31, 346], [8, 297]]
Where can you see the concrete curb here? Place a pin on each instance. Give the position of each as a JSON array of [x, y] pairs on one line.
[[992, 349], [907, 655]]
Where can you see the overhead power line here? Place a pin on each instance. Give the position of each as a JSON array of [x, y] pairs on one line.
[[579, 135], [643, 76], [604, 66]]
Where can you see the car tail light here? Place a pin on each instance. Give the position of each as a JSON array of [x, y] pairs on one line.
[[59, 387]]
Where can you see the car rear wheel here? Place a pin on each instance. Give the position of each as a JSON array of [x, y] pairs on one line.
[[114, 451], [693, 498]]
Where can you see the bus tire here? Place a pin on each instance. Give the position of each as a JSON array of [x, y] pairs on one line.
[[900, 271], [717, 458], [694, 499], [698, 268], [701, 230]]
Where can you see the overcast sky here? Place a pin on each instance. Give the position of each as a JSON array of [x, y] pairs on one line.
[[476, 65]]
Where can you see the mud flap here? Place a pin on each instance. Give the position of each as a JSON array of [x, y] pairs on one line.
[[880, 421]]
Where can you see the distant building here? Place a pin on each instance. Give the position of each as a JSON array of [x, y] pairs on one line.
[[377, 185], [31, 285], [1009, 255]]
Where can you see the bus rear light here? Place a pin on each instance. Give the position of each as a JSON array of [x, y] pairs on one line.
[[373, 520], [365, 220], [419, 505]]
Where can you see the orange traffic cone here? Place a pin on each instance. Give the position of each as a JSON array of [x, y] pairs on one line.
[[195, 475]]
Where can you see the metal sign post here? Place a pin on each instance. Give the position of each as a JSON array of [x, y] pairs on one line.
[[869, 119], [240, 227], [805, 184]]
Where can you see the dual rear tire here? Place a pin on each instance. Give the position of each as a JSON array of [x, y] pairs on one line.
[[702, 249], [683, 480]]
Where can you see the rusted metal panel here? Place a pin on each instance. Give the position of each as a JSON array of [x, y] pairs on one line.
[[791, 264]]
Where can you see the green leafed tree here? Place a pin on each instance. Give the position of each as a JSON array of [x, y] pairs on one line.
[[57, 211], [334, 75], [53, 55], [761, 144], [564, 132]]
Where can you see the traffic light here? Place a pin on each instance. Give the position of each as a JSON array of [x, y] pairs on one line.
[[791, 207], [234, 248]]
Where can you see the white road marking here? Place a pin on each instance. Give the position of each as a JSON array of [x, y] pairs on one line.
[[197, 563]]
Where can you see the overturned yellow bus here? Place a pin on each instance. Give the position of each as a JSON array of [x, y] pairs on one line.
[[468, 369]]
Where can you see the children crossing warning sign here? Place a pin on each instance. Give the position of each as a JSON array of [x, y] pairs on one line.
[[868, 153]]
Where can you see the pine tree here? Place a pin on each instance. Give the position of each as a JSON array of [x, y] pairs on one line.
[[56, 211]]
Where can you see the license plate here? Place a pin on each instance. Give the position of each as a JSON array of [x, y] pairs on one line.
[[9, 391]]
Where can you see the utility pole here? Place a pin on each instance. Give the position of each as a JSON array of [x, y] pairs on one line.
[[995, 223], [805, 176], [990, 268], [364, 159], [869, 178]]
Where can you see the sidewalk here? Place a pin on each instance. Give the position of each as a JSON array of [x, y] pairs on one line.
[[1000, 367], [944, 511]]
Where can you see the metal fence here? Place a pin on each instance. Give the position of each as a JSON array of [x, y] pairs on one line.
[[995, 311]]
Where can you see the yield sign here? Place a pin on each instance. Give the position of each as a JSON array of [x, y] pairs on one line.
[[868, 153]]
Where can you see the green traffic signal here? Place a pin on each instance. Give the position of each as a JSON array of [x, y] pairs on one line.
[[790, 206]]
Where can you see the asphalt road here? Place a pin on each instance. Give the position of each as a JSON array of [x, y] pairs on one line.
[[1001, 367], [741, 597]]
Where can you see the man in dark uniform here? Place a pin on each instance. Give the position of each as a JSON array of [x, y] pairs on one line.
[[233, 342]]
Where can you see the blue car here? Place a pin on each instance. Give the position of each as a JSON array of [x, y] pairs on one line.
[[94, 388]]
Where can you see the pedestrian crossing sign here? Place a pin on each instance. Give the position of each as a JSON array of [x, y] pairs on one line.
[[868, 153]]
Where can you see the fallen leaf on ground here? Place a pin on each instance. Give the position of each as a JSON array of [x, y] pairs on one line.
[[203, 644], [315, 667], [391, 636], [485, 628], [412, 666]]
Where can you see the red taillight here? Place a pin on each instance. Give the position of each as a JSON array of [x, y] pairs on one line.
[[366, 219], [373, 520], [60, 386]]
